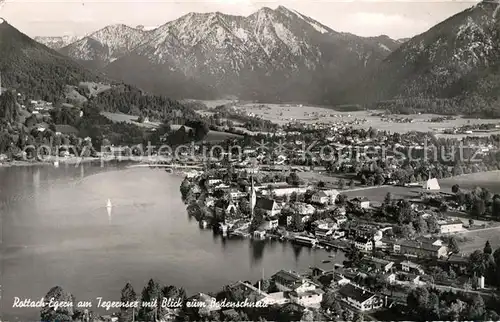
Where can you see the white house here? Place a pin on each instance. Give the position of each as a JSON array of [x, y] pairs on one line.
[[411, 267], [325, 196], [363, 202], [431, 184], [363, 244], [259, 234], [340, 219], [311, 298], [452, 226], [360, 298], [286, 191], [287, 281], [213, 181]]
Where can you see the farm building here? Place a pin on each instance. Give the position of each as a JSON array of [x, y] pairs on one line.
[[360, 298], [450, 226]]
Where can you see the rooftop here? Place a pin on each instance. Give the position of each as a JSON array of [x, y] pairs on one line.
[[419, 244], [288, 276], [362, 240], [410, 264], [376, 260], [265, 203], [355, 292]]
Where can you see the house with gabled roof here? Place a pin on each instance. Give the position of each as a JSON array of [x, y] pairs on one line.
[[360, 298], [287, 281], [362, 202], [378, 264], [325, 196]]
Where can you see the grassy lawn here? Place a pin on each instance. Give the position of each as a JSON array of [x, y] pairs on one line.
[[119, 117], [476, 239], [217, 136]]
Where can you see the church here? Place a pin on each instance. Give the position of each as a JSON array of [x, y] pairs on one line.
[[431, 184]]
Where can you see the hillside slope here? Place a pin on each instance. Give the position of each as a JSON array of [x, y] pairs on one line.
[[36, 69], [455, 60]]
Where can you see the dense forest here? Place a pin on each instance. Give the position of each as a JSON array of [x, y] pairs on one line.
[[130, 100], [20, 127], [37, 71]]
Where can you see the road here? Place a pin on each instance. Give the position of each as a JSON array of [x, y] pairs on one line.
[[479, 230]]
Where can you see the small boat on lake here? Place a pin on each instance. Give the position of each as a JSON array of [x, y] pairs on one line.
[[108, 204]]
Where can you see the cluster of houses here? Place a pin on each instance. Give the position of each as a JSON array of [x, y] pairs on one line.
[[274, 201], [308, 290], [292, 287]]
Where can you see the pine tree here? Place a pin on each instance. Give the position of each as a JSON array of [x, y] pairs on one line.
[[149, 309], [127, 314], [487, 248], [62, 314]]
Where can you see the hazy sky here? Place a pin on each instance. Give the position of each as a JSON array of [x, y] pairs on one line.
[[396, 18]]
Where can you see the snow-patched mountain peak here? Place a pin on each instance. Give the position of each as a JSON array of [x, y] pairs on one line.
[[228, 52], [313, 23], [57, 42], [107, 44]]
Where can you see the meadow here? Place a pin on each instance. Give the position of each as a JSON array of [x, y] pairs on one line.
[[119, 117], [285, 113], [218, 136], [473, 240]]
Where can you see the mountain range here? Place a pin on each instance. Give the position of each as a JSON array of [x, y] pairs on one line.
[[282, 55], [456, 59], [272, 54]]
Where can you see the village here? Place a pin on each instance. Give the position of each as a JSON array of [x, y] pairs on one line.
[[397, 227]]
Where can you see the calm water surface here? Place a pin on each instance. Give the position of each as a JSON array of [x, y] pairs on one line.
[[55, 230]]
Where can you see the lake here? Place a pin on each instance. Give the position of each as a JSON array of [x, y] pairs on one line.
[[56, 231]]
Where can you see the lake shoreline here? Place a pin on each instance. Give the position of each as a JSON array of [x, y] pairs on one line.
[[67, 161]]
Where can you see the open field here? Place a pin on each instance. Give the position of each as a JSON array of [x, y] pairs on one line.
[[284, 113], [476, 239], [217, 136], [94, 88], [378, 194], [489, 180], [212, 136], [215, 103], [119, 117]]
